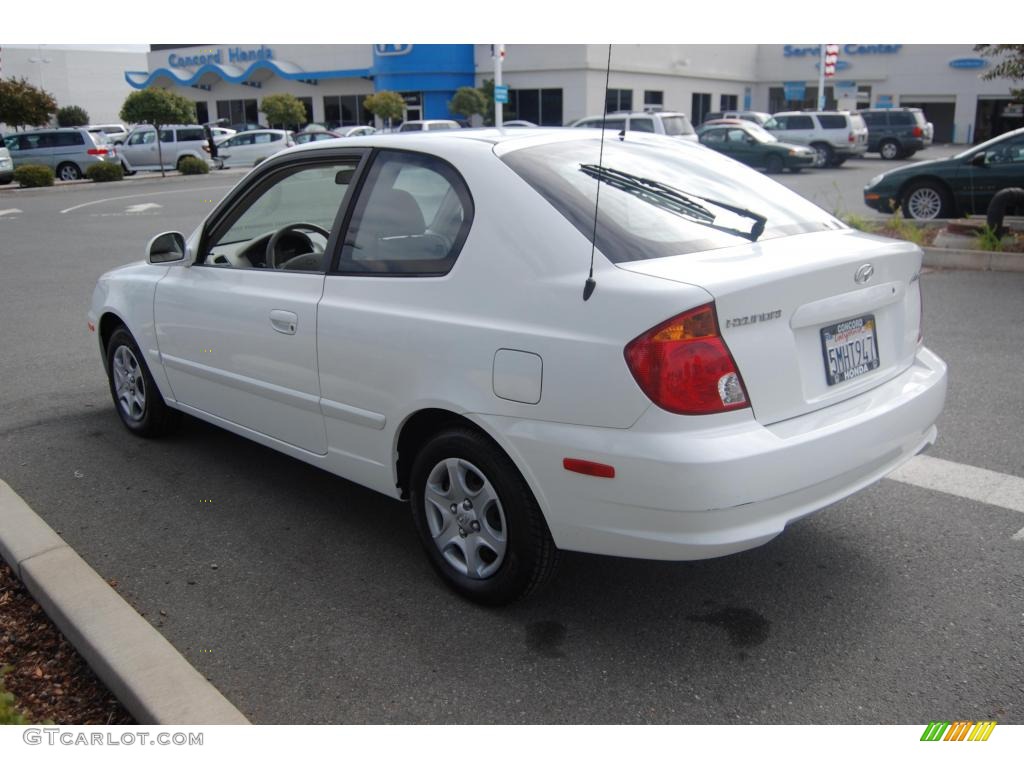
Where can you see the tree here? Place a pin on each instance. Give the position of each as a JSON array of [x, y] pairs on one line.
[[158, 107], [21, 103], [487, 89], [284, 109], [387, 105], [468, 101], [1011, 67], [71, 116]]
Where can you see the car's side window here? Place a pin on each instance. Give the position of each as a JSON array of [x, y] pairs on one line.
[[263, 138], [285, 222], [737, 136], [412, 217], [642, 124], [799, 122], [166, 136], [142, 137], [1007, 152], [715, 136]]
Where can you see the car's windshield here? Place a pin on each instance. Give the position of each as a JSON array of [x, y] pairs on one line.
[[981, 147], [631, 227], [676, 125], [760, 133]]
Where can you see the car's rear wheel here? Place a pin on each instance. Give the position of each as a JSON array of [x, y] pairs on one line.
[[127, 170], [138, 401], [926, 200], [889, 149], [773, 164], [838, 161], [823, 155], [68, 172], [477, 519]]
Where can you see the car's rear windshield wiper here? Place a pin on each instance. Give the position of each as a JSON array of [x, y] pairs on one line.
[[673, 200]]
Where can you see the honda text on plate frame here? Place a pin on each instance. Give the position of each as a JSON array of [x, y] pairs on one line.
[[406, 311]]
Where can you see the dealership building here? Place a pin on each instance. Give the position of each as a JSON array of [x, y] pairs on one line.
[[555, 84]]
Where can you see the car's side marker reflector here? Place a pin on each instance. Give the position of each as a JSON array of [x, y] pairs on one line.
[[588, 467]]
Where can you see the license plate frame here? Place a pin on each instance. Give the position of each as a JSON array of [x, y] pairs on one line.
[[850, 357]]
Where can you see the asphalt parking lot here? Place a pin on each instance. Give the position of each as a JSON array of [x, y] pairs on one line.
[[306, 599]]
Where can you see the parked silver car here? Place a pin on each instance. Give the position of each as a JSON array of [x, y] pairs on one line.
[[69, 152], [834, 136], [140, 152], [6, 165], [674, 124]]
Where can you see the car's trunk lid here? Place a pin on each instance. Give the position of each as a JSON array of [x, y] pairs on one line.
[[775, 298]]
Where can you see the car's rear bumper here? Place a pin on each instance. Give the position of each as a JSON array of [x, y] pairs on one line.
[[683, 492]]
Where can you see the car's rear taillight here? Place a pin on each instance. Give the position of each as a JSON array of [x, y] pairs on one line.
[[852, 138], [918, 132], [98, 151], [684, 366]]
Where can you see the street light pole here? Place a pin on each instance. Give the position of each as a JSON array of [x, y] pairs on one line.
[[499, 55]]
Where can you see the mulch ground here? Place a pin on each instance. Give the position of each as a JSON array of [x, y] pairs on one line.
[[48, 678]]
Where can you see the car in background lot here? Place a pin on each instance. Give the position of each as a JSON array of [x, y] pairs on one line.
[[6, 164], [754, 146], [517, 124], [428, 125], [321, 134], [140, 152], [114, 132], [355, 130], [835, 136], [754, 117], [248, 148], [68, 152], [757, 358], [898, 132], [960, 185], [674, 124]]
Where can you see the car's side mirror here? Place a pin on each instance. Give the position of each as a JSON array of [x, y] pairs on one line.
[[751, 140], [979, 159], [166, 247]]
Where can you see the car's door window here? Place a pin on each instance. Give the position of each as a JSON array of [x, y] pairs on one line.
[[265, 138], [832, 122], [191, 134], [411, 218], [68, 140], [1006, 152], [166, 136], [142, 137], [737, 136], [285, 222], [642, 124], [714, 137], [799, 123]]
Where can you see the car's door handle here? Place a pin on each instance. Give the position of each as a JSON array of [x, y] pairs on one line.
[[284, 321]]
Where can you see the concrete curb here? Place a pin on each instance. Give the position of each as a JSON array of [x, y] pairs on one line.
[[154, 682], [954, 258]]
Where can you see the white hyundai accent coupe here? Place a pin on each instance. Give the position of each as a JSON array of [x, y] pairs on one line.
[[417, 314]]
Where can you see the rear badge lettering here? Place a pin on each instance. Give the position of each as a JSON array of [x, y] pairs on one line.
[[763, 317]]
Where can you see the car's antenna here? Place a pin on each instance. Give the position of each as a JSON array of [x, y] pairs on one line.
[[591, 284]]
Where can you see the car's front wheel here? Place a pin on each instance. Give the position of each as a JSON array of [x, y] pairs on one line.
[[136, 397], [823, 155], [926, 200], [479, 523], [773, 164]]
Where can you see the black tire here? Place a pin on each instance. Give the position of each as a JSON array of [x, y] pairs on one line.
[[823, 155], [837, 162], [69, 172], [773, 164], [6, 180], [796, 169], [530, 556], [126, 171], [909, 154], [926, 200], [890, 149], [154, 418]]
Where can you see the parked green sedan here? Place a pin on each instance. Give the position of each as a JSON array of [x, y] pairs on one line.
[[753, 145], [955, 186]]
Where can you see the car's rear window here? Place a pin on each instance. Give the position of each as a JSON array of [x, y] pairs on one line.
[[902, 118], [832, 121], [630, 227], [191, 134]]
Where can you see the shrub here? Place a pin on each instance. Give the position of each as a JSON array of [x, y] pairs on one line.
[[69, 117], [33, 176], [105, 172], [192, 165]]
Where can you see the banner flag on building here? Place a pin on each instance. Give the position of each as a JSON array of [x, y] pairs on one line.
[[831, 57]]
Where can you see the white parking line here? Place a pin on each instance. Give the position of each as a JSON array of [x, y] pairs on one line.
[[965, 481], [7, 211], [143, 194]]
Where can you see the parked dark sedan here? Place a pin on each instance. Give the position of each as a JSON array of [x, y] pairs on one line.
[[751, 144], [960, 185]]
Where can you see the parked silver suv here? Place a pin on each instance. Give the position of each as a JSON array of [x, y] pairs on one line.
[[666, 123], [69, 152], [834, 136], [139, 152]]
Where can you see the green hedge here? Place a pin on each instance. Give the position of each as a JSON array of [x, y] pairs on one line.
[[105, 172], [192, 165], [33, 176]]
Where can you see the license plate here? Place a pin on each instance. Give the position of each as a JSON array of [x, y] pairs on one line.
[[850, 349]]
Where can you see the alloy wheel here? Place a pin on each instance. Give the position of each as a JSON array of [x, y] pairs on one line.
[[129, 384], [924, 203]]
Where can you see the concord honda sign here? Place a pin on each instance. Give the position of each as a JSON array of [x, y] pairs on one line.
[[235, 56]]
